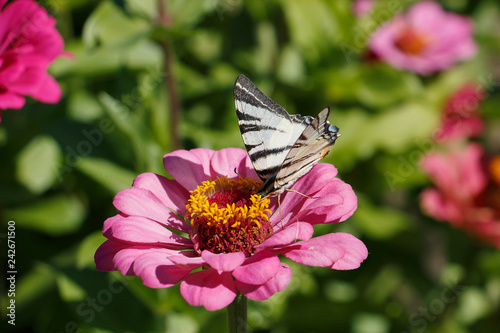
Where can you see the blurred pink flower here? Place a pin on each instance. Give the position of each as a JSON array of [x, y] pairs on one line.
[[29, 42], [461, 118], [206, 229], [426, 39], [467, 192], [363, 7]]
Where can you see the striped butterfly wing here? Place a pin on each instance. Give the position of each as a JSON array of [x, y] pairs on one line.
[[282, 148], [312, 145], [268, 131]]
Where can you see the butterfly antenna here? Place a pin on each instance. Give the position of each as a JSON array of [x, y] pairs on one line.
[[247, 179]]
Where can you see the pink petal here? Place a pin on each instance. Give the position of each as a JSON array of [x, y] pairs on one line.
[[157, 271], [258, 269], [334, 202], [309, 184], [336, 250], [313, 254], [140, 230], [168, 191], [209, 288], [337, 202], [141, 202], [289, 234], [265, 291], [224, 262], [457, 173], [224, 162], [188, 259], [355, 250], [316, 179], [110, 221], [441, 207], [48, 91], [125, 258], [10, 100], [189, 168], [105, 254]]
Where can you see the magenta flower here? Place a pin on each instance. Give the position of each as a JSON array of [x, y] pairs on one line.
[[424, 40], [461, 118], [208, 230], [29, 42], [467, 192]]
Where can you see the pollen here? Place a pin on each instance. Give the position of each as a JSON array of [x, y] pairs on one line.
[[227, 216]]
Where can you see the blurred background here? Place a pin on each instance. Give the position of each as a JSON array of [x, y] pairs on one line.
[[148, 77]]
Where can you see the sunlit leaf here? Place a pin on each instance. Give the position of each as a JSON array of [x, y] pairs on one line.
[[57, 215], [38, 164], [69, 290], [111, 176]]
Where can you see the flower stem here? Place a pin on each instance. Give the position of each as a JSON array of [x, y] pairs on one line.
[[237, 315], [171, 84]]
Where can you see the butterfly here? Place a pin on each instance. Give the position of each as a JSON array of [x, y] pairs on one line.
[[282, 147]]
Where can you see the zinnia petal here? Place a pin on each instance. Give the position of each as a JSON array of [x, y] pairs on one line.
[[157, 271], [223, 262], [209, 289], [141, 202], [189, 168], [335, 250], [105, 254], [140, 230], [258, 269], [289, 234], [262, 292]]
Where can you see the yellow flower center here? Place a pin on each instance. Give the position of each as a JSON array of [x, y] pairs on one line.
[[227, 216]]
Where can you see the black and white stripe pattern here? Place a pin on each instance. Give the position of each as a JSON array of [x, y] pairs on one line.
[[282, 148]]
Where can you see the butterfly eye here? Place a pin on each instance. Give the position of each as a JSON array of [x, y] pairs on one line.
[[309, 120]]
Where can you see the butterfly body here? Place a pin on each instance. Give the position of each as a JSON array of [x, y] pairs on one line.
[[282, 147]]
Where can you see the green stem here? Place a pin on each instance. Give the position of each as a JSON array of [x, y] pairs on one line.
[[237, 315], [173, 95]]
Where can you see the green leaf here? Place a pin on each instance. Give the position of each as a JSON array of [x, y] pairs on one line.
[[111, 176], [312, 26], [38, 164], [69, 290], [58, 215], [33, 284], [370, 323], [403, 126], [291, 69], [83, 106], [109, 25], [380, 222], [87, 248], [381, 86], [473, 305]]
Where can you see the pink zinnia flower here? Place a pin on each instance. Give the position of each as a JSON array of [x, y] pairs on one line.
[[208, 230], [426, 39], [29, 42], [461, 118], [467, 192]]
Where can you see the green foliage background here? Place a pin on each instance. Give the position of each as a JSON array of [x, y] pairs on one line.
[[61, 165]]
